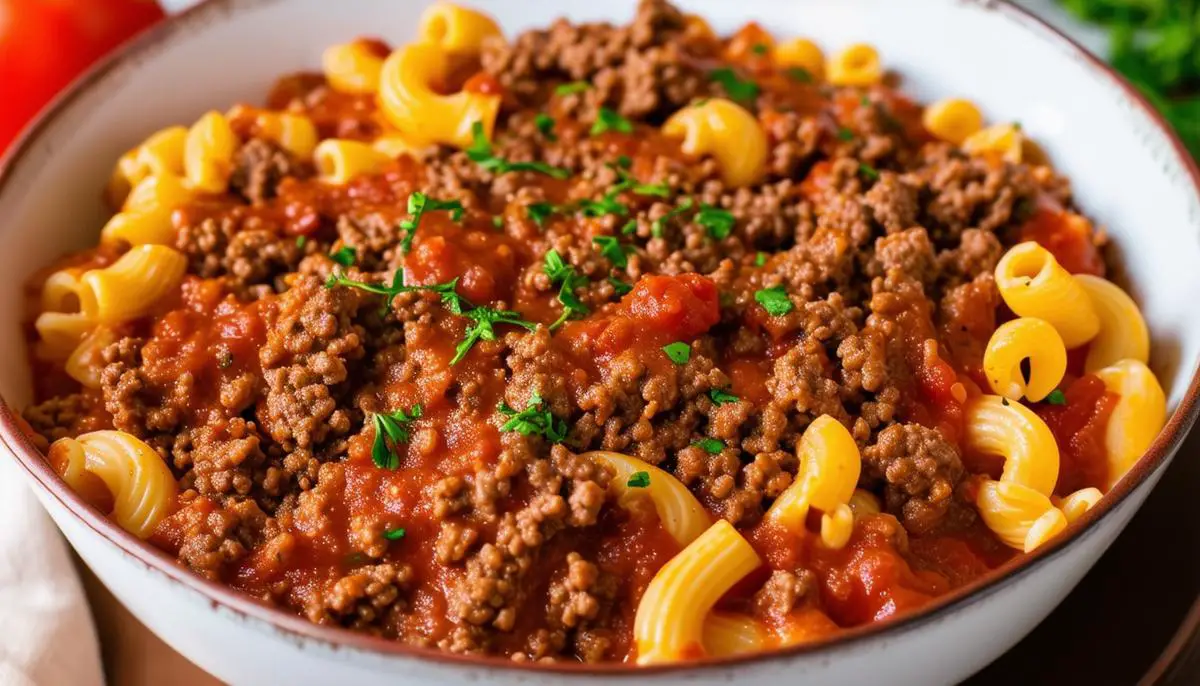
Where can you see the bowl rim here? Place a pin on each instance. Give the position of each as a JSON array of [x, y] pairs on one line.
[[221, 597]]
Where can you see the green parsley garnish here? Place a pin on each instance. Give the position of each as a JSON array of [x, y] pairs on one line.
[[568, 280], [679, 352], [799, 74], [609, 120], [606, 205], [451, 300], [719, 222], [638, 480], [710, 445], [736, 87], [572, 88], [630, 228], [611, 248], [760, 259], [418, 205], [1057, 397], [545, 124], [301, 240], [845, 134], [624, 162], [498, 222], [480, 152], [868, 171], [391, 429], [619, 286], [394, 534], [539, 212], [659, 225], [774, 300], [344, 256], [760, 48], [483, 328], [534, 420], [721, 397], [629, 183]]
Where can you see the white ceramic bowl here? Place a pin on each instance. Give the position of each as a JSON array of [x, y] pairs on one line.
[[1127, 169]]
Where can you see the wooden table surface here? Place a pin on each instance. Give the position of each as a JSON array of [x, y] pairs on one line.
[[1109, 631]]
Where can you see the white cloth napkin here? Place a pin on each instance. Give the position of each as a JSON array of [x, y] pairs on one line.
[[46, 632]]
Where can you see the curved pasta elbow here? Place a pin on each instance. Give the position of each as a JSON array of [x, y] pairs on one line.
[[456, 29], [1020, 516], [995, 426], [341, 161], [408, 100], [830, 465], [145, 218], [353, 67], [1034, 284], [1025, 339], [857, 65], [142, 486], [160, 154], [133, 285], [86, 361], [1078, 503], [726, 131], [680, 513], [208, 153], [803, 54], [1003, 141], [1123, 334], [953, 120], [728, 634], [668, 625], [1138, 416]]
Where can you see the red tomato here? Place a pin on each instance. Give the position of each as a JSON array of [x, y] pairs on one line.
[[46, 43], [682, 306]]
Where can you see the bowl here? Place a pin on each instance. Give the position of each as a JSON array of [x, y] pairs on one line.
[[1128, 171]]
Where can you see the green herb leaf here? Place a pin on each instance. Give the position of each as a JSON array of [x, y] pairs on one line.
[[480, 152], [545, 124], [619, 286], [568, 281], [418, 205], [1057, 397], [719, 222], [572, 88], [868, 171], [539, 212], [452, 301], [737, 88], [344, 256], [534, 420], [659, 225], [710, 445], [391, 430], [760, 259], [624, 162], [609, 120], [394, 534], [679, 352], [638, 480], [612, 249], [721, 397], [760, 48], [301, 240], [799, 74], [774, 300], [606, 205], [483, 328], [845, 134], [498, 222], [630, 228]]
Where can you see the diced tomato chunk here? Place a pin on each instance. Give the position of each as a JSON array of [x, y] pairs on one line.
[[682, 306]]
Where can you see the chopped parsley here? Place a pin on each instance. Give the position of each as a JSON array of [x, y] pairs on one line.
[[535, 420], [719, 222], [612, 249], [344, 256], [659, 225], [845, 134], [630, 228], [737, 88], [568, 280], [679, 352], [545, 124], [480, 152], [572, 88], [391, 430], [628, 182], [799, 74], [760, 48], [774, 300], [721, 396], [609, 120], [483, 328], [619, 286], [710, 445], [1057, 397], [624, 162], [418, 205], [760, 259], [539, 212], [451, 300], [498, 222], [638, 480], [606, 205], [301, 240], [394, 534], [868, 171]]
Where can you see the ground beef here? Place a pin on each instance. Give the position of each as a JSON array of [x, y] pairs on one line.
[[258, 167], [247, 254], [920, 469], [217, 537], [138, 405], [363, 599], [784, 591]]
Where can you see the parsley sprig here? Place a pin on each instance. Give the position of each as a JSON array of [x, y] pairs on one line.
[[568, 280], [391, 430], [717, 221], [774, 300], [418, 204], [483, 328], [739, 89], [639, 480], [450, 298], [535, 420], [611, 248], [481, 153], [659, 225], [609, 120]]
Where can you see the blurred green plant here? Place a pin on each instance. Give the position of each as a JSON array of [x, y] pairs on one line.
[[1156, 45]]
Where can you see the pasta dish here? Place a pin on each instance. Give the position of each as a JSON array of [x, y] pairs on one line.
[[595, 343]]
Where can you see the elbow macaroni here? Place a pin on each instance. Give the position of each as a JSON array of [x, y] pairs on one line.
[[295, 133], [733, 634], [680, 513], [1001, 140], [1026, 338], [142, 486], [130, 287], [727, 132], [1033, 284], [352, 67], [341, 161], [456, 29], [1078, 503], [145, 218], [953, 120], [1137, 418], [1020, 516], [208, 153], [87, 362], [828, 474], [668, 626], [857, 65], [1123, 334], [802, 53], [160, 154], [410, 103]]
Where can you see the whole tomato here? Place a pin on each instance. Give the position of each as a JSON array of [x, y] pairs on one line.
[[46, 43]]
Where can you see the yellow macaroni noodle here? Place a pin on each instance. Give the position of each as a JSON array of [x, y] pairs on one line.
[[681, 514], [1123, 334], [1137, 418], [456, 29], [146, 214], [857, 65], [1026, 338], [802, 53], [130, 287], [953, 120], [341, 161], [208, 153], [726, 131], [829, 468], [1033, 284], [352, 67]]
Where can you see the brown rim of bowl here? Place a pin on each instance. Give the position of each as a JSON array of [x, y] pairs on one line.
[[221, 596]]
